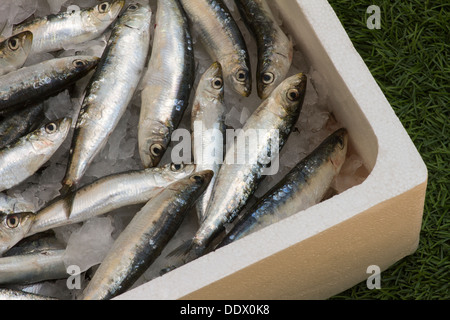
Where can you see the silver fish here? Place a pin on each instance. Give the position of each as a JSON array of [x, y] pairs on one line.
[[167, 87], [110, 90], [236, 182], [54, 32], [304, 186], [13, 228], [223, 40], [275, 49], [107, 194], [38, 266], [44, 241], [36, 83], [14, 51], [100, 197], [22, 159], [145, 237], [9, 294], [208, 128], [20, 123]]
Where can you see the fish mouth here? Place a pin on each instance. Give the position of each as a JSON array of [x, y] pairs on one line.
[[301, 81], [244, 89], [116, 7], [4, 249]]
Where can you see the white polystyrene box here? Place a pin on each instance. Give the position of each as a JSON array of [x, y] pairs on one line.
[[328, 248]]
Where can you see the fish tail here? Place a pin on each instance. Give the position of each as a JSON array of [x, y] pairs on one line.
[[186, 252], [183, 250], [65, 189]]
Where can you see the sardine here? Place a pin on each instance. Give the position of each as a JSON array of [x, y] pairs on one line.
[[9, 294], [13, 228], [168, 82], [304, 186], [208, 128], [33, 260], [34, 267], [40, 81], [20, 123], [55, 32], [107, 194], [275, 49], [14, 51], [236, 183], [145, 237], [110, 90], [100, 197], [223, 40], [22, 159], [44, 241]]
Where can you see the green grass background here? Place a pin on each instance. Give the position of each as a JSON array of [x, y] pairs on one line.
[[409, 59]]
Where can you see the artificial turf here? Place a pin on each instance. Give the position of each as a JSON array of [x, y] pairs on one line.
[[409, 58]]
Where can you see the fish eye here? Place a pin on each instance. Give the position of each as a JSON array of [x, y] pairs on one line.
[[78, 63], [13, 44], [197, 178], [51, 128], [132, 7], [293, 94], [241, 75], [268, 78], [177, 167], [217, 83], [12, 221], [103, 7], [156, 150]]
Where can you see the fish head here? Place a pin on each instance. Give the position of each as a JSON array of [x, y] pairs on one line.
[[106, 12], [291, 93], [175, 171], [82, 64], [55, 131], [17, 47], [13, 228], [212, 82], [153, 143], [239, 76], [135, 13], [339, 144], [196, 183], [201, 179], [271, 72]]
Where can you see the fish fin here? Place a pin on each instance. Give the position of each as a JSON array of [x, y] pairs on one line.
[[68, 194]]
